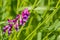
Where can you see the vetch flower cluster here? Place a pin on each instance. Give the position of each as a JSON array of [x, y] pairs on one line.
[[22, 19]]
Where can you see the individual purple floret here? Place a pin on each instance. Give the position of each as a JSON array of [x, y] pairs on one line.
[[24, 17], [21, 22], [10, 21], [16, 19], [18, 16], [5, 28], [9, 30], [16, 26], [25, 12]]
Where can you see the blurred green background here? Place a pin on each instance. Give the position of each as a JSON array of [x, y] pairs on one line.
[[43, 23]]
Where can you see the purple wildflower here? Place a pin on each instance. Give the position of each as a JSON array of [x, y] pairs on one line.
[[14, 23]]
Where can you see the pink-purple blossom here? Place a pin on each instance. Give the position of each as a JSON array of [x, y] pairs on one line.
[[20, 19]]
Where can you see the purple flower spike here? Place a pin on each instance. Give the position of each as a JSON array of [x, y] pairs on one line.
[[14, 23]]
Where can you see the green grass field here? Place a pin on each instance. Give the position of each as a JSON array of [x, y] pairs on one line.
[[42, 24]]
